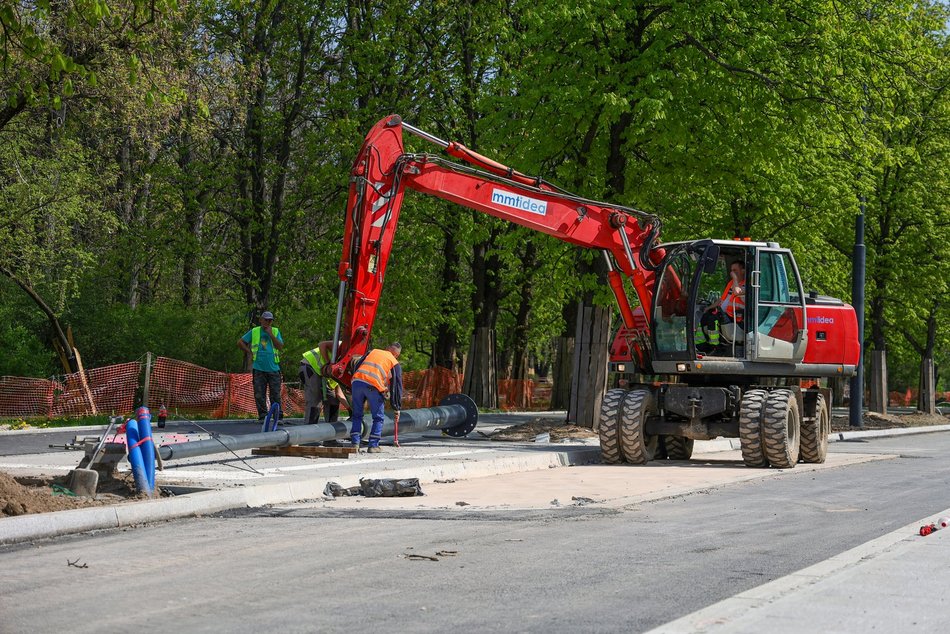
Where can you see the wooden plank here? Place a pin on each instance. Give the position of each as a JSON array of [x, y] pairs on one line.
[[305, 451]]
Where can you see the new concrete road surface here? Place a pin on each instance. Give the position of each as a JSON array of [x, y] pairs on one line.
[[506, 538]]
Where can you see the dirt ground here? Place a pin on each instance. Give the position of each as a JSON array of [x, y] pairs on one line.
[[21, 496], [26, 495]]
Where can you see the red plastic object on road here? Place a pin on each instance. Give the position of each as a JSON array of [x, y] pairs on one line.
[[928, 529]]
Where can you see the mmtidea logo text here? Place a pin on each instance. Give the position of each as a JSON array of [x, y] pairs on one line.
[[517, 201]]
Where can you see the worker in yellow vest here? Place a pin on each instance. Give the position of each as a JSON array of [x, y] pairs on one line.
[[377, 377], [264, 344], [319, 392]]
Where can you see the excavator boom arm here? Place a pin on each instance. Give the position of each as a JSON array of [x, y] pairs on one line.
[[382, 172]]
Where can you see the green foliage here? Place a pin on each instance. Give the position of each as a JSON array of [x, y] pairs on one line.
[[161, 178]]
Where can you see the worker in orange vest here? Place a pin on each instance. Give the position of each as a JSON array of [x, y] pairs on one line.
[[378, 376], [733, 296]]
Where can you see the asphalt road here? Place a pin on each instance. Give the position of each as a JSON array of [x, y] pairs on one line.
[[301, 568]]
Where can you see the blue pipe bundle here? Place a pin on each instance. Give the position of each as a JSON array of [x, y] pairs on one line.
[[135, 457], [144, 417]]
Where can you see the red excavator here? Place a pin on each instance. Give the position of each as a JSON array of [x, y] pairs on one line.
[[723, 340]]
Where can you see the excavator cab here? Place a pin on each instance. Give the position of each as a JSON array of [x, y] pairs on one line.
[[729, 301]]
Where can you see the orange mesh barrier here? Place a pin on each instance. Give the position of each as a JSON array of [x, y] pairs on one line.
[[105, 390], [426, 388], [191, 388], [292, 400], [23, 397], [113, 390]]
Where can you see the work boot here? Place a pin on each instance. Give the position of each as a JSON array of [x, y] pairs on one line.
[[376, 449]]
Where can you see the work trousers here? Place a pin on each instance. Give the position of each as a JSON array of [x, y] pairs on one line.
[[264, 383], [362, 393], [314, 393]]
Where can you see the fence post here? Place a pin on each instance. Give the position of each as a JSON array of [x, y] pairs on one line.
[[148, 376], [85, 384]]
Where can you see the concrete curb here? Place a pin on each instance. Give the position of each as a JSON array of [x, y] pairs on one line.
[[723, 616], [44, 525]]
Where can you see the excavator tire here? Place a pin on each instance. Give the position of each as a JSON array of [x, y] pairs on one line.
[[608, 426], [781, 423], [637, 447], [750, 428], [814, 438], [677, 447]]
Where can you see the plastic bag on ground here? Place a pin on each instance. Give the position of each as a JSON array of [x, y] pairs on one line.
[[390, 488]]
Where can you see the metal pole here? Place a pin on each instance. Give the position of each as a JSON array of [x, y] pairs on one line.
[[856, 403], [457, 414]]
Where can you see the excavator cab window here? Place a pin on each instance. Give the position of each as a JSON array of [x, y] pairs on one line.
[[671, 309], [780, 308], [716, 330]]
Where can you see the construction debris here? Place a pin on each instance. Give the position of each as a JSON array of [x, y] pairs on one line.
[[372, 488]]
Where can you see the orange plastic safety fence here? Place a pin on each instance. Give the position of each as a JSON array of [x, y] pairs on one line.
[[191, 388], [426, 388], [25, 397], [106, 390], [113, 390], [515, 393]]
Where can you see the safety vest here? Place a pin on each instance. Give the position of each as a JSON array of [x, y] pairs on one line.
[[732, 302], [256, 343], [315, 359], [375, 369]]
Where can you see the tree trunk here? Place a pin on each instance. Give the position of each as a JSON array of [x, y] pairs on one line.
[[878, 401], [837, 385], [590, 364], [481, 380], [564, 359], [519, 361], [195, 196], [445, 352], [50, 316], [561, 374]]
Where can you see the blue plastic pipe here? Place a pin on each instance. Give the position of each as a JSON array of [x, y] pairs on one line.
[[146, 444], [135, 457]]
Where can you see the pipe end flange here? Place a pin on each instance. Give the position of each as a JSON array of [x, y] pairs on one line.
[[471, 415]]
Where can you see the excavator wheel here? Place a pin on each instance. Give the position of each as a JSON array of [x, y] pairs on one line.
[[637, 447], [608, 426], [780, 429], [814, 442], [677, 447], [750, 428]]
